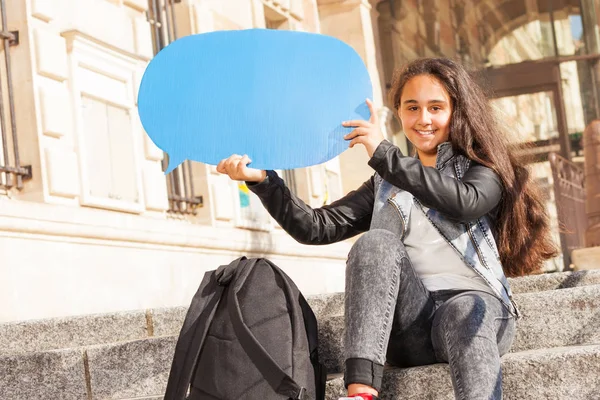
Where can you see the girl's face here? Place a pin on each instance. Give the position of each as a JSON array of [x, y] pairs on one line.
[[425, 111]]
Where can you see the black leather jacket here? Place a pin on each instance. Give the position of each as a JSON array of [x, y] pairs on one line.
[[477, 194]]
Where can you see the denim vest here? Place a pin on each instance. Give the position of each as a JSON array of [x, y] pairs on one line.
[[473, 240]]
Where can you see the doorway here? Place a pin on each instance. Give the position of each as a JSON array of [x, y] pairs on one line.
[[530, 96], [543, 113]]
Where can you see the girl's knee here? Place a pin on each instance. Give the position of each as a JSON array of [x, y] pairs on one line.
[[467, 314], [378, 240], [378, 252], [377, 235], [459, 321]]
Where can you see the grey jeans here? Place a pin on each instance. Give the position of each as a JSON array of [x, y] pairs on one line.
[[391, 317]]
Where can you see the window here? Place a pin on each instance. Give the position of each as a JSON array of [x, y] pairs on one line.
[[108, 135], [109, 151], [252, 214]]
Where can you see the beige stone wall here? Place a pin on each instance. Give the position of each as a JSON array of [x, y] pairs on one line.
[[90, 232], [74, 78], [59, 261]]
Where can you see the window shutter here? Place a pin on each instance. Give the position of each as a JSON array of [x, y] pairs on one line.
[[97, 147], [122, 160]]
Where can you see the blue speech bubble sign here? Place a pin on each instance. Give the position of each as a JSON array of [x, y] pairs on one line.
[[278, 96]]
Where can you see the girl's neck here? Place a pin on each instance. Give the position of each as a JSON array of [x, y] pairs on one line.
[[427, 160]]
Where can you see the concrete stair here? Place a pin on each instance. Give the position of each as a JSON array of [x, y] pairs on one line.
[[558, 373], [556, 354], [550, 319]]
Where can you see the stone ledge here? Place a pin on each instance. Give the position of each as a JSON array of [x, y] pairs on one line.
[[561, 373], [63, 333], [333, 303], [167, 321], [563, 318], [550, 319], [50, 375], [133, 369], [552, 281], [139, 370], [84, 225], [48, 334]]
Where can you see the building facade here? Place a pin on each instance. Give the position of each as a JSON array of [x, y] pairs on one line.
[[90, 223]]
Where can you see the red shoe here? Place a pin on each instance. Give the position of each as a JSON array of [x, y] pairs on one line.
[[360, 396]]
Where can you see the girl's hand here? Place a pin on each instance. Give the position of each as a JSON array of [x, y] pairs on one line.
[[367, 133], [235, 167]]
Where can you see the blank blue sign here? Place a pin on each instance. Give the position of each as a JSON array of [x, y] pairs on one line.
[[278, 96]]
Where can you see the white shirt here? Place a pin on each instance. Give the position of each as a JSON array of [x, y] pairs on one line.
[[439, 266]]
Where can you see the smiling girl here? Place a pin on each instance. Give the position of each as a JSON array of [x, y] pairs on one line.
[[427, 281]]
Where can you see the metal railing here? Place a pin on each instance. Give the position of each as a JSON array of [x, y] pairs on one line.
[[569, 193], [12, 173], [180, 183]]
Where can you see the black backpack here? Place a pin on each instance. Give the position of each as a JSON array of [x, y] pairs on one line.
[[248, 334]]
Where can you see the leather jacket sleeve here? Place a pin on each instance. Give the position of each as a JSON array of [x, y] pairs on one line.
[[477, 194], [340, 220]]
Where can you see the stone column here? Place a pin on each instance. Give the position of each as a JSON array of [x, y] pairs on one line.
[[354, 22], [591, 146]]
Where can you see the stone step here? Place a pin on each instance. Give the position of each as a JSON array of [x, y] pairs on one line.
[[553, 281], [87, 330], [139, 370], [333, 304], [550, 319], [565, 373], [130, 370]]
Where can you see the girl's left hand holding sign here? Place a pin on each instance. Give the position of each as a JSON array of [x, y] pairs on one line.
[[368, 133]]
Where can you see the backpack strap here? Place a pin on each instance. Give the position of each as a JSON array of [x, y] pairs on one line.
[[310, 322], [195, 328], [281, 382]]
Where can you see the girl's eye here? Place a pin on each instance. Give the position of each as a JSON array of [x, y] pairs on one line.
[[412, 108], [436, 108]]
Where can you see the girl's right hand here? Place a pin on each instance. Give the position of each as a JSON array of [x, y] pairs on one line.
[[236, 168]]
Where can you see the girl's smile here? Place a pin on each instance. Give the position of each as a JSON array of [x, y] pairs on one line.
[[426, 133]]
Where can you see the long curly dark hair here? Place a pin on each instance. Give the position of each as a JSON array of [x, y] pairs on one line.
[[522, 228]]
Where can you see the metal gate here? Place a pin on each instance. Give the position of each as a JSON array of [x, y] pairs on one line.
[[569, 194], [12, 173], [180, 182]]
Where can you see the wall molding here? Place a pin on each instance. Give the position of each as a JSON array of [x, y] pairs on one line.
[[106, 228]]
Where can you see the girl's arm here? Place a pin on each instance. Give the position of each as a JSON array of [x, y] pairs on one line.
[[478, 193], [340, 220]]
